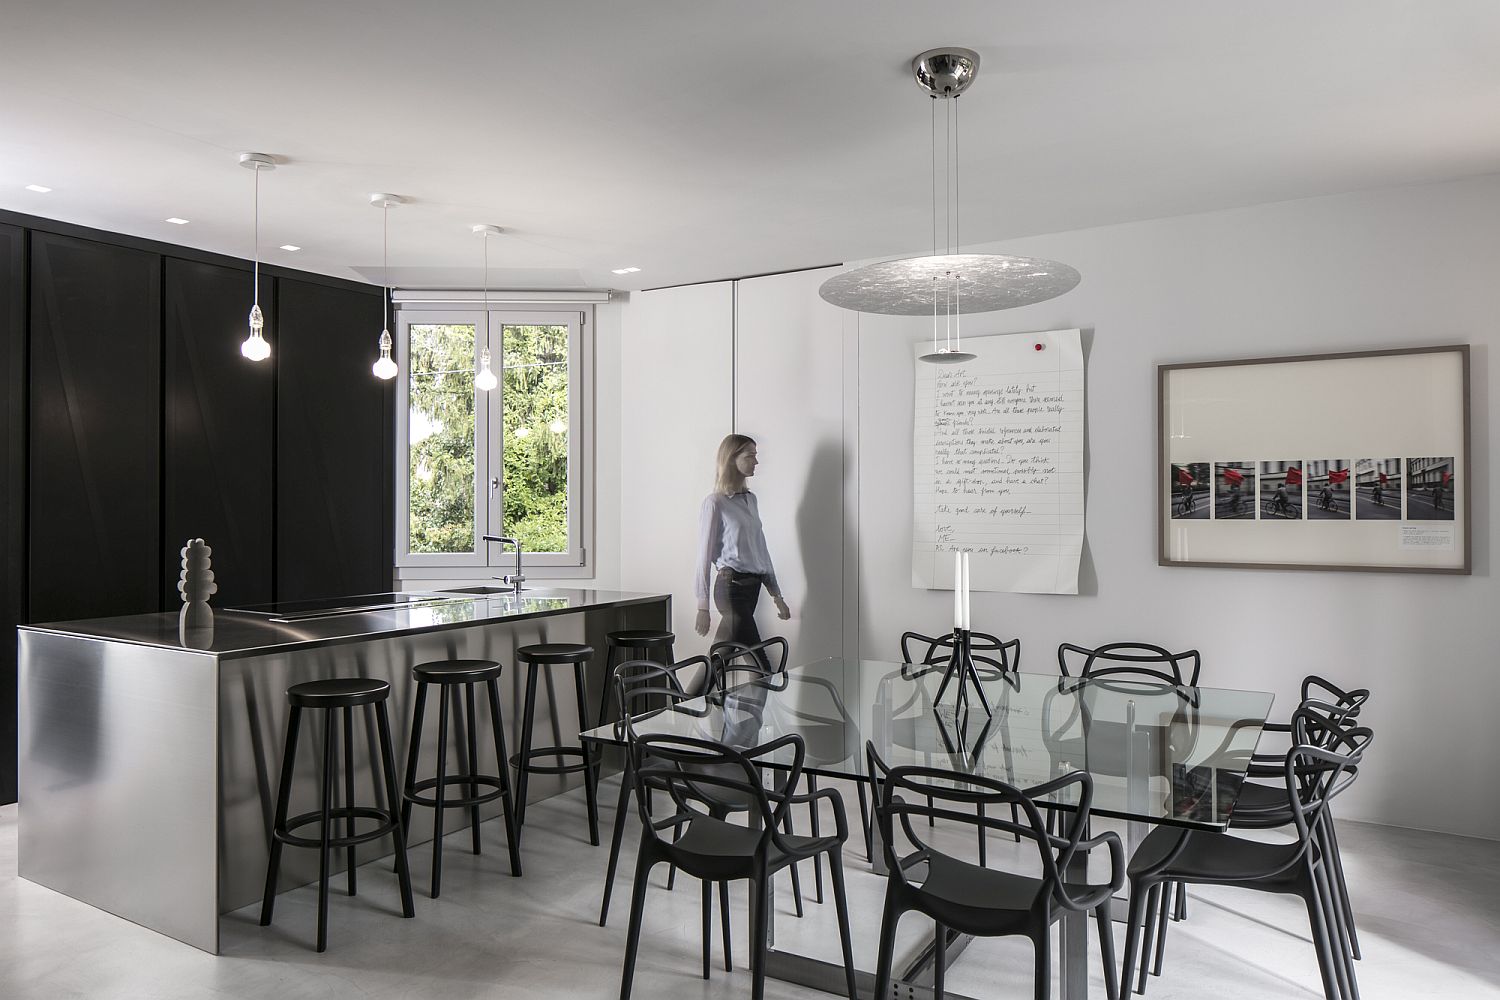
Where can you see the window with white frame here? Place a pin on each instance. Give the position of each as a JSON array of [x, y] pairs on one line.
[[506, 461]]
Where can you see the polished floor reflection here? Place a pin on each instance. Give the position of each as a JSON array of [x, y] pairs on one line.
[[1425, 906]]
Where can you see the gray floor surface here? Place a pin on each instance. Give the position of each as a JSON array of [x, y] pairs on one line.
[[1428, 907]]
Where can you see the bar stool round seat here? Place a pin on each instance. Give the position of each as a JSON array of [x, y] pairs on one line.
[[338, 692], [651, 644], [462, 789], [536, 657], [457, 671], [337, 698]]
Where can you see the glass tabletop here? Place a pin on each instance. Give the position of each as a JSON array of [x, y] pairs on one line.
[[1157, 753]]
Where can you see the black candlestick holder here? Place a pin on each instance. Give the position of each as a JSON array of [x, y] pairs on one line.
[[961, 664]]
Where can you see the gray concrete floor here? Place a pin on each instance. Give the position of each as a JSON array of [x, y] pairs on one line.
[[1428, 910]]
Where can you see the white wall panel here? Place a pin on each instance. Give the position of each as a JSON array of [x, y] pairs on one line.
[[789, 392], [676, 394]]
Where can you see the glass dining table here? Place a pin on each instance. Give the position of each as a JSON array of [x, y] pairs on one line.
[[1159, 755]]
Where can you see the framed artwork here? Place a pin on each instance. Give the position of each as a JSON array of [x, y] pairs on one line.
[[1356, 461]]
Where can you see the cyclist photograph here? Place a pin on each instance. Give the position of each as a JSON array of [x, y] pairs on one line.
[[1280, 491], [1234, 488], [1328, 490], [1190, 482], [1429, 489], [1377, 489]]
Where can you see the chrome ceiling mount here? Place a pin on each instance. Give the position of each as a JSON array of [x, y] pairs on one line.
[[946, 72]]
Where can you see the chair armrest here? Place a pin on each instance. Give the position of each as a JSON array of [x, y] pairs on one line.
[[841, 822], [1098, 894]]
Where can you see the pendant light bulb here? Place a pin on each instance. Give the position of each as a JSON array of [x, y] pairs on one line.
[[255, 347], [384, 367], [485, 380]]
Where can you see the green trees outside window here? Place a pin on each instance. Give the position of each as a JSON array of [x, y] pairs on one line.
[[443, 439]]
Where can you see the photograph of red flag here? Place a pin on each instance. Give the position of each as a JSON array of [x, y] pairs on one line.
[[1234, 475], [1377, 489], [1234, 498], [1339, 475], [1327, 489], [1429, 488], [1280, 491], [1185, 477], [1190, 491], [1294, 476]]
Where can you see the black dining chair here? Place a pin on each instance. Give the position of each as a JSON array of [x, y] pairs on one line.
[[1130, 660], [966, 898], [641, 689], [1323, 761], [697, 775]]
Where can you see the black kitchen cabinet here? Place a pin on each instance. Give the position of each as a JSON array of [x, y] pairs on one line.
[[95, 429], [220, 432], [12, 488]]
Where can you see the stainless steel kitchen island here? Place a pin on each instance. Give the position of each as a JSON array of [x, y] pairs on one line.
[[149, 755]]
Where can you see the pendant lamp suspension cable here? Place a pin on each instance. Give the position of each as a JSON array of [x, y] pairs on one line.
[[256, 296], [933, 178]]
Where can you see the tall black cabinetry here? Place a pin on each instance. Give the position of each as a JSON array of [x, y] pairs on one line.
[[12, 487], [95, 429], [334, 524], [220, 432]]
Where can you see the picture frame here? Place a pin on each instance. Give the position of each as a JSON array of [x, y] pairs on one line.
[[1355, 461]]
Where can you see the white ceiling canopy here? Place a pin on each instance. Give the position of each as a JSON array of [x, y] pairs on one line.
[[707, 140]]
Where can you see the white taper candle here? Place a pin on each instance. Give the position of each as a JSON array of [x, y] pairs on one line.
[[967, 619], [958, 590]]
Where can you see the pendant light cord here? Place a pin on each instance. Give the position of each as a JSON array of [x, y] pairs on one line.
[[955, 173], [385, 262], [933, 177], [256, 296]]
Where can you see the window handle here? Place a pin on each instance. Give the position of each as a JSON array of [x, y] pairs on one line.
[[494, 485]]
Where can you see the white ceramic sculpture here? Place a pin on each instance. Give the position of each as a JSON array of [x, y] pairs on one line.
[[196, 585]]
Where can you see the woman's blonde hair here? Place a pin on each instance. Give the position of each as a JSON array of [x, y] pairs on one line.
[[730, 480]]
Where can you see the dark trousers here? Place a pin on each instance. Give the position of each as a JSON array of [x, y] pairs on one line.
[[735, 596]]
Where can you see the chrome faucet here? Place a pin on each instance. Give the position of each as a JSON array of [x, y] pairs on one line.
[[515, 580]]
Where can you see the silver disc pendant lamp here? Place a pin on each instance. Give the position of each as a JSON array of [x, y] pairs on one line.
[[384, 367], [255, 346], [949, 283]]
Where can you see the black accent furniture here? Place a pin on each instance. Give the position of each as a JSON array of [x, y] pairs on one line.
[[652, 644], [697, 775], [1131, 661], [536, 658], [336, 698], [966, 898], [453, 675]]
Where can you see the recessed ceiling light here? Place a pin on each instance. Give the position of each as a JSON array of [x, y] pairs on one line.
[[174, 220], [39, 189], [289, 248], [626, 270]]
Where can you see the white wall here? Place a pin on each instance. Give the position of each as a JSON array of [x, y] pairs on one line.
[[1388, 268], [1418, 265]]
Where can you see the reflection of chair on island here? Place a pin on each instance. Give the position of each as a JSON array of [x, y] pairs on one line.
[[966, 898], [744, 675]]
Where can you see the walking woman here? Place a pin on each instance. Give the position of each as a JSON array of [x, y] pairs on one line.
[[733, 560]]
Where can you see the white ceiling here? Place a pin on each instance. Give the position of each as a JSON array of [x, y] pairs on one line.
[[706, 139]]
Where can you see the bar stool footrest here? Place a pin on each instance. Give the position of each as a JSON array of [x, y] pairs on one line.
[[559, 752], [388, 824], [487, 780]]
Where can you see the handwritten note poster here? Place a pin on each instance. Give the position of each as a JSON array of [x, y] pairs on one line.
[[998, 465]]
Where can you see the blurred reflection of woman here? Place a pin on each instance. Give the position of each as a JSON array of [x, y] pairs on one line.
[[733, 560]]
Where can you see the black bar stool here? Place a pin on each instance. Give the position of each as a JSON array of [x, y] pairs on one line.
[[449, 675], [548, 654], [347, 693], [651, 644]]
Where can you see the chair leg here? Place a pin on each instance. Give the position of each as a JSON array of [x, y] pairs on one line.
[[760, 930], [724, 925], [1320, 937], [1181, 913], [841, 903], [889, 919], [939, 960], [349, 863], [473, 765], [708, 923], [283, 799], [502, 771], [523, 758], [864, 821], [1042, 945], [812, 809], [1161, 926], [616, 838], [980, 833], [438, 796], [1153, 901], [590, 770], [643, 865], [1336, 873], [1136, 917], [608, 688], [398, 834], [786, 827], [1107, 950], [1343, 964], [325, 831]]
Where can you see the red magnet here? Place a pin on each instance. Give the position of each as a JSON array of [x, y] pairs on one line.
[[1041, 347]]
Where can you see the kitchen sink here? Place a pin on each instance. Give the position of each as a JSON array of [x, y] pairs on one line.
[[480, 590]]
